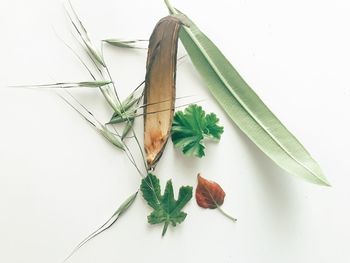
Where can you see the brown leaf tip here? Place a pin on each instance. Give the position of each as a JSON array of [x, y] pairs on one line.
[[209, 194]]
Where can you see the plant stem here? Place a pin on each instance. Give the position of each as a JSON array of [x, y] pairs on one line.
[[225, 214], [170, 7], [122, 112], [165, 228]]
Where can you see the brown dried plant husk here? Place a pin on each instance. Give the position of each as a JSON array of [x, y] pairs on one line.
[[160, 87]]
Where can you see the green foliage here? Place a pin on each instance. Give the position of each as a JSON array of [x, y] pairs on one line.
[[167, 210], [191, 127], [244, 106]]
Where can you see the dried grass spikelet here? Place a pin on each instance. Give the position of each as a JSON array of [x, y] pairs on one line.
[[160, 87]]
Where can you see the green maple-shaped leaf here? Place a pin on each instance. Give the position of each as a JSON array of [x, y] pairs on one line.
[[191, 127], [167, 210]]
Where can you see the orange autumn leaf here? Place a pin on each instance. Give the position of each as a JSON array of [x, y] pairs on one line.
[[209, 194]]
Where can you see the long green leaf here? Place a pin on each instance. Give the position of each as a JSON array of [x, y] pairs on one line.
[[244, 106]]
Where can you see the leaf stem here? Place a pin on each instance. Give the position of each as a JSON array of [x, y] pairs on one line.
[[165, 228], [225, 214]]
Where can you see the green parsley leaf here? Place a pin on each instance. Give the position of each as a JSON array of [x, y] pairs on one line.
[[191, 127], [166, 209]]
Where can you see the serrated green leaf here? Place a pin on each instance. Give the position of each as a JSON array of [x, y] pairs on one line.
[[150, 188], [191, 126], [212, 130], [244, 106], [167, 210]]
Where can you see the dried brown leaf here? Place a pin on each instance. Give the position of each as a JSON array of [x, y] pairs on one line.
[[160, 87], [209, 194]]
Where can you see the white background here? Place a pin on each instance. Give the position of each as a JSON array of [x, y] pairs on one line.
[[59, 180]]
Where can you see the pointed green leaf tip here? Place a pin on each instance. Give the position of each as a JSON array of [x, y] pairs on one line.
[[125, 43], [191, 127], [167, 210], [245, 107]]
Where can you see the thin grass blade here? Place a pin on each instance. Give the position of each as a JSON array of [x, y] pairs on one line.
[[110, 222], [82, 32], [126, 43], [130, 102], [127, 128], [89, 117], [124, 117], [66, 85]]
